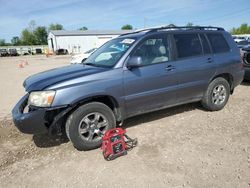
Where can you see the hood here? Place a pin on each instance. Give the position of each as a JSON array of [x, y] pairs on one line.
[[44, 79]]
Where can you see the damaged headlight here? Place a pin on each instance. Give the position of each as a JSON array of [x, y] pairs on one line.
[[41, 98]]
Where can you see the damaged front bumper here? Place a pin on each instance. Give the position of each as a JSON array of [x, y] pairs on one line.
[[36, 121]]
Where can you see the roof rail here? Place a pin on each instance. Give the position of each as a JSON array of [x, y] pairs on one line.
[[152, 29]]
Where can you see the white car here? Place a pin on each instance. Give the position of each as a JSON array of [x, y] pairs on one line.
[[239, 39], [80, 58]]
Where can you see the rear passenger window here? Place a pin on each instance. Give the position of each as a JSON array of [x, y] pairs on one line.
[[218, 43], [206, 49], [187, 45]]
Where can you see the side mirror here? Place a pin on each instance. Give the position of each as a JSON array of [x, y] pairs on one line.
[[133, 62]]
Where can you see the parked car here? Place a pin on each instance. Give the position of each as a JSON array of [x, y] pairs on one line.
[[132, 74], [245, 55], [238, 39], [80, 58], [3, 53], [243, 43], [62, 52], [13, 52]]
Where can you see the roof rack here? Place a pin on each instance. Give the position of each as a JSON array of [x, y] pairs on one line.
[[153, 29]]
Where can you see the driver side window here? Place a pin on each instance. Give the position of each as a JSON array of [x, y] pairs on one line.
[[153, 50]]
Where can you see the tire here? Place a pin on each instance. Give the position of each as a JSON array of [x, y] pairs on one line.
[[82, 124], [217, 95]]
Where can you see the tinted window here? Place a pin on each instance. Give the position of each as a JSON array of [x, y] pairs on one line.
[[206, 49], [187, 45], [218, 43], [153, 50]]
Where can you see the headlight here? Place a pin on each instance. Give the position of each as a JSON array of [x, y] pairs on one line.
[[41, 98]]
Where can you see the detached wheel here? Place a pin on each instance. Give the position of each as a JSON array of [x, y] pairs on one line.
[[217, 95], [84, 123]]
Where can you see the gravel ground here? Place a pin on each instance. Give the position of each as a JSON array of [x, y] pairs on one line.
[[183, 146]]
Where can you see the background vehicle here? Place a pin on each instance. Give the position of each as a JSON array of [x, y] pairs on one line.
[[238, 39], [245, 54], [132, 74], [3, 53], [80, 58], [13, 52], [62, 52], [243, 43]]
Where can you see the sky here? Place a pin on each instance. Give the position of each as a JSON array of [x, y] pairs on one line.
[[15, 15]]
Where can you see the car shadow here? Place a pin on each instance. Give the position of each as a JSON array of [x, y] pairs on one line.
[[152, 116], [46, 141], [245, 83]]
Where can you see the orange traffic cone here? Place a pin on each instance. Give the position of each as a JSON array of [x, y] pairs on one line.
[[21, 65]]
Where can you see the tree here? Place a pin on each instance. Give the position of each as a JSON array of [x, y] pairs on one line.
[[15, 41], [55, 26], [83, 28], [41, 35], [127, 27], [243, 29], [32, 25], [27, 37], [2, 42], [190, 24]]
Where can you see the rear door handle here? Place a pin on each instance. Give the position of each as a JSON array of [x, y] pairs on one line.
[[209, 60], [170, 68]]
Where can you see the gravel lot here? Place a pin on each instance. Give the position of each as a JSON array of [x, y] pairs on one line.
[[183, 146]]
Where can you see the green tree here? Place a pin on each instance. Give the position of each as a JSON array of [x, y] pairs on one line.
[[55, 26], [27, 37], [2, 42], [15, 41], [127, 27], [243, 29], [41, 35], [190, 24], [83, 28]]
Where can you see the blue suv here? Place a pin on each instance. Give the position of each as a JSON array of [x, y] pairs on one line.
[[136, 73]]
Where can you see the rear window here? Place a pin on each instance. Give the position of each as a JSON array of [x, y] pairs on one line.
[[187, 45], [218, 43]]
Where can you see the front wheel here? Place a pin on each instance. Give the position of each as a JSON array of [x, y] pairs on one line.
[[217, 94], [87, 123]]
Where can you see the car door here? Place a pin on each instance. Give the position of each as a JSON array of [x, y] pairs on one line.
[[152, 85], [194, 65]]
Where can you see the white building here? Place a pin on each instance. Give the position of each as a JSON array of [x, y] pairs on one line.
[[80, 41]]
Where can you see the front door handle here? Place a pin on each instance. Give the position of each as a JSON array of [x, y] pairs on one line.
[[170, 68]]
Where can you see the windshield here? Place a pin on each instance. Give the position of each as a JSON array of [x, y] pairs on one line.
[[110, 53]]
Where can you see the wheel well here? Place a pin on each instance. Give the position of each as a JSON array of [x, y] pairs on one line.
[[229, 78], [105, 99]]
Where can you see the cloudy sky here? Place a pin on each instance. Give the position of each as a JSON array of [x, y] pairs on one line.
[[15, 15]]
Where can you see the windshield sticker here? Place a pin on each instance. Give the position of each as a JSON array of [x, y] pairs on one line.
[[127, 41]]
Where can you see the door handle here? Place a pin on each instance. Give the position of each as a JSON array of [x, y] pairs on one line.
[[170, 68], [209, 60]]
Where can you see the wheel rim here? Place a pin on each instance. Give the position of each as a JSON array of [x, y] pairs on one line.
[[219, 94], [91, 125]]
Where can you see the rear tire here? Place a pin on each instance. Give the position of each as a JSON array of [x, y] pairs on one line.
[[217, 95], [82, 124]]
